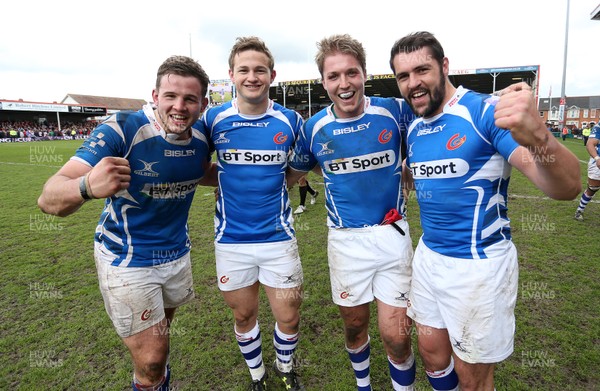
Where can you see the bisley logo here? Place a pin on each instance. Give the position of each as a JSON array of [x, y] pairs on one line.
[[250, 124], [426, 131], [179, 153], [351, 129]]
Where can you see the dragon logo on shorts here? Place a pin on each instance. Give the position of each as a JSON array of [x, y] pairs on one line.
[[224, 279], [146, 315]]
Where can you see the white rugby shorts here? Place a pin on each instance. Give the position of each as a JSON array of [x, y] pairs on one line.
[[371, 262], [135, 298], [593, 170], [474, 299], [274, 264]]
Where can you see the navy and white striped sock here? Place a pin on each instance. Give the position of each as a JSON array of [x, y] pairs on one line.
[[444, 380], [285, 345], [250, 344], [361, 363], [583, 202], [403, 375]]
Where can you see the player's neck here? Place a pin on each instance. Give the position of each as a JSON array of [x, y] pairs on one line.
[[450, 91]]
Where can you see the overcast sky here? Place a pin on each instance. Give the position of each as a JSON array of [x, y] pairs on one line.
[[49, 49]]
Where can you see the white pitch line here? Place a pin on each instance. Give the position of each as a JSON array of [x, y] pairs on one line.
[[543, 198], [29, 164]]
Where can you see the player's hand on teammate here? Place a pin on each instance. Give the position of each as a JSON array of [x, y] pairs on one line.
[[516, 110], [109, 176]]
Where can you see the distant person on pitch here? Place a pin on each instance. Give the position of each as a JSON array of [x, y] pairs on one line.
[[593, 176], [304, 188]]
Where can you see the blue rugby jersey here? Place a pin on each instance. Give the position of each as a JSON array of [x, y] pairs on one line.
[[459, 161], [146, 224], [360, 158], [253, 204], [596, 134]]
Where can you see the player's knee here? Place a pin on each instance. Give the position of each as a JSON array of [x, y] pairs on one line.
[[472, 383], [397, 347], [356, 331], [244, 321], [150, 375], [473, 377], [289, 320], [245, 317], [433, 359], [154, 370]]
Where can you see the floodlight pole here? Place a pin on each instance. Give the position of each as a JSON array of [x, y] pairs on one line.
[[309, 100], [563, 97], [283, 87]]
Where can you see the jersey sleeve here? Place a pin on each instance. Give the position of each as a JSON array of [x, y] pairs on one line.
[[302, 158], [405, 118], [500, 138], [204, 132], [106, 140]]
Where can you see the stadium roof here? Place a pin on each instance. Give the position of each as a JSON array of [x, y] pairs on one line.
[[485, 80], [595, 15], [111, 103]]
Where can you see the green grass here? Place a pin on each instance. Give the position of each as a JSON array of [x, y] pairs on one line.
[[55, 334]]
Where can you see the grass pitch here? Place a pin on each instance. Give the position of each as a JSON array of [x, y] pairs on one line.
[[55, 334]]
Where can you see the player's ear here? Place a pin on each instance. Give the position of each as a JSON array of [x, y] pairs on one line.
[[446, 66]]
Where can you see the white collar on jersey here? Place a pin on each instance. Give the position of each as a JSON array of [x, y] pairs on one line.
[[170, 137]]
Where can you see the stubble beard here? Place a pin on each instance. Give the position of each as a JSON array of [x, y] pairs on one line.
[[436, 99]]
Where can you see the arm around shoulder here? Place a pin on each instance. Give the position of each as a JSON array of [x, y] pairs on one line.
[[210, 177]]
